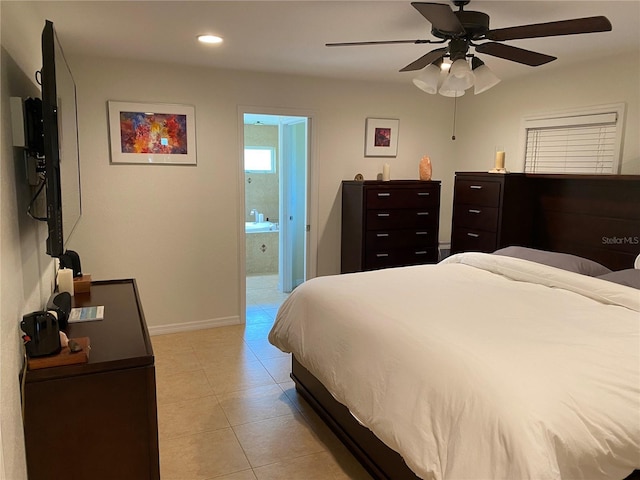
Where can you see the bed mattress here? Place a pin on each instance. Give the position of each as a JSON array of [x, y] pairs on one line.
[[480, 367]]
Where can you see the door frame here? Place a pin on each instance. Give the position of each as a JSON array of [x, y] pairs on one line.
[[312, 194]]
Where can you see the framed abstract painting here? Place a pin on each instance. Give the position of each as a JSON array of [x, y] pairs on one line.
[[152, 133], [381, 139]]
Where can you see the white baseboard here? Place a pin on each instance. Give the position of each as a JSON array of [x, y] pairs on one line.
[[191, 326]]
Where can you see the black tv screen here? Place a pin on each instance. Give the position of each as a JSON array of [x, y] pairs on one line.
[[60, 135], [55, 242]]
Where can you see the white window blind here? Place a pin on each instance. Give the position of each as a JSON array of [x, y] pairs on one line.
[[586, 143]]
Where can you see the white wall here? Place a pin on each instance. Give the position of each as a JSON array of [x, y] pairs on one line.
[[175, 228], [25, 271], [494, 117]]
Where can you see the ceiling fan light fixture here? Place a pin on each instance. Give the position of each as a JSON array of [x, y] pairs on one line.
[[485, 78], [428, 79]]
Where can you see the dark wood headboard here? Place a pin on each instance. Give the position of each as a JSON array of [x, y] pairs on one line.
[[593, 216]]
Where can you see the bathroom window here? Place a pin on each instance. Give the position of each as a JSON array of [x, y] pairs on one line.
[[260, 159]]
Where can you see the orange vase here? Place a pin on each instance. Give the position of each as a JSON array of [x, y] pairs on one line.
[[425, 168]]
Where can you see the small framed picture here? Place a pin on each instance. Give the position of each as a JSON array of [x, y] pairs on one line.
[[152, 133], [381, 139]]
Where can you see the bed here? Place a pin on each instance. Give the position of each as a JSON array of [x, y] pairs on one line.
[[483, 366]]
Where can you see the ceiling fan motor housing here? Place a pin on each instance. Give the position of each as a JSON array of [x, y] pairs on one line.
[[475, 25]]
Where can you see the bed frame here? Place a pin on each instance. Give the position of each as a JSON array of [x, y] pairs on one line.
[[596, 217]]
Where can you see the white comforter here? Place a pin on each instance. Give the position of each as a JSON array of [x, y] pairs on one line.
[[480, 367]]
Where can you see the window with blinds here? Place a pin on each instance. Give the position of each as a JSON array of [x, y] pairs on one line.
[[585, 143]]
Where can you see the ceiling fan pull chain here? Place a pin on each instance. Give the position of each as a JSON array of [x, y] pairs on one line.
[[455, 103]]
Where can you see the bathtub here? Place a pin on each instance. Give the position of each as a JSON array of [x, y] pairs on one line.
[[258, 227]]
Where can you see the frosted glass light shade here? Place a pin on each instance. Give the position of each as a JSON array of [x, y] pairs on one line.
[[455, 83], [428, 79], [485, 79], [450, 93], [460, 68]]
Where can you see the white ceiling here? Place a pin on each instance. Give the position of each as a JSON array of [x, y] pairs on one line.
[[289, 36]]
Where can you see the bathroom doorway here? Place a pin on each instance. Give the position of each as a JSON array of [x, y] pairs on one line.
[[276, 159]]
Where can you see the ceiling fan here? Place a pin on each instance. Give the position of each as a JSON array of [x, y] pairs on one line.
[[462, 29]]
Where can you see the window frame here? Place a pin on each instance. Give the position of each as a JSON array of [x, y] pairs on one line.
[[562, 119]]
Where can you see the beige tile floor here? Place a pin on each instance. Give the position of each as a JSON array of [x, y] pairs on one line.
[[227, 409]]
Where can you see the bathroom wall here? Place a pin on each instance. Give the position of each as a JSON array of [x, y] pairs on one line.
[[262, 189], [262, 193], [262, 253]]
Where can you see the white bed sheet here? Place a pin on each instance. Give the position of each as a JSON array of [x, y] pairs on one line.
[[480, 367]]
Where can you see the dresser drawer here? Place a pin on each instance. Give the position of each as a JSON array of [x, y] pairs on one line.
[[476, 217], [467, 240], [400, 257], [402, 198], [407, 218], [483, 194], [386, 239]]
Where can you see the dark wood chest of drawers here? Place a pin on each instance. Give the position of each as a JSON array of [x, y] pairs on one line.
[[389, 224], [98, 419], [490, 211]]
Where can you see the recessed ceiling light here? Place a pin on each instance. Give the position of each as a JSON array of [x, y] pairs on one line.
[[209, 39]]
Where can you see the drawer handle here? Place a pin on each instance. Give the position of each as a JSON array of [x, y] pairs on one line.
[[421, 252], [382, 255], [472, 210], [383, 214], [382, 234], [474, 235], [421, 233], [423, 194], [422, 214], [384, 194], [476, 187]]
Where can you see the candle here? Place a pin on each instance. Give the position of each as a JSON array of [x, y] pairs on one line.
[[499, 160], [386, 175], [65, 280]]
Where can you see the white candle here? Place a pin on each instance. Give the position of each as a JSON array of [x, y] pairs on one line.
[[499, 160], [65, 280], [386, 175]]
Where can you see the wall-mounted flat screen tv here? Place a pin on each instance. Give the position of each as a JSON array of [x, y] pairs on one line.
[[60, 134]]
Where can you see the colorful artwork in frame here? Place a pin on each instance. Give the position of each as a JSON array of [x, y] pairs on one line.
[[381, 139], [152, 133]]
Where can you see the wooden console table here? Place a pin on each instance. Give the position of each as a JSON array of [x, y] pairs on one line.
[[97, 420]]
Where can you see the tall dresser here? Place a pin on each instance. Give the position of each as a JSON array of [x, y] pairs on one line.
[[490, 211], [389, 224]]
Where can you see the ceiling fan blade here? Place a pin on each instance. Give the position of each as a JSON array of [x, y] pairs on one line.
[[440, 16], [514, 54], [381, 42], [425, 60], [551, 29]]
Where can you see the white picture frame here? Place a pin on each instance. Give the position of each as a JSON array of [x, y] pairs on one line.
[[152, 133], [381, 137]]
